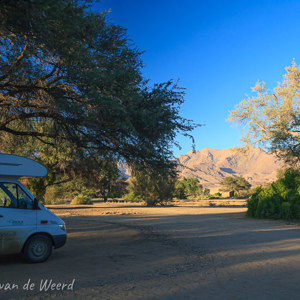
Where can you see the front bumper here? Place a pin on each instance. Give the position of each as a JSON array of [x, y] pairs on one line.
[[59, 240]]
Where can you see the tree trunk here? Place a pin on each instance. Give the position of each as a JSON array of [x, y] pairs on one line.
[[104, 196]]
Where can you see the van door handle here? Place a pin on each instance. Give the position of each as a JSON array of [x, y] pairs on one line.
[[1, 216]]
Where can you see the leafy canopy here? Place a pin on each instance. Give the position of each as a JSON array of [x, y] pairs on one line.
[[279, 200], [154, 186], [71, 80], [188, 187], [272, 118], [236, 184]]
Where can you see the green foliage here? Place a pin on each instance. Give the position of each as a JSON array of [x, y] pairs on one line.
[[79, 186], [188, 187], [237, 184], [280, 200], [57, 193], [108, 174], [205, 193], [154, 186], [54, 194], [38, 186], [289, 178], [72, 92], [215, 196], [82, 199], [180, 191], [132, 197], [118, 189]]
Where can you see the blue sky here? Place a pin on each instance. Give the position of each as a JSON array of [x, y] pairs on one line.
[[218, 50]]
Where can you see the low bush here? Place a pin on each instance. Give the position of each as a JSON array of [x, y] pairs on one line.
[[205, 194], [280, 200], [132, 197], [54, 195], [215, 196], [82, 200]]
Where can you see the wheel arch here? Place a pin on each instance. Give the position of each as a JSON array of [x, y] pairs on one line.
[[38, 233]]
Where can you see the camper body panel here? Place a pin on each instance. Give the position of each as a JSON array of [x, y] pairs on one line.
[[19, 220], [15, 228]]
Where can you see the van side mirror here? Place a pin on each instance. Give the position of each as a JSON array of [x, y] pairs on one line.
[[35, 203]]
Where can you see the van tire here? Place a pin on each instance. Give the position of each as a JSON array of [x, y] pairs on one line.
[[38, 248]]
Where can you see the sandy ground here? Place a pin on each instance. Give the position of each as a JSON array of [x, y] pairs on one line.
[[125, 251]]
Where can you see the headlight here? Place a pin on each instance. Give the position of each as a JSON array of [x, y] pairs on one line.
[[63, 227]]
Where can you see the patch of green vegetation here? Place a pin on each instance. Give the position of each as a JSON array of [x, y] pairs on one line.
[[82, 200], [279, 200], [132, 197], [54, 195], [215, 196]]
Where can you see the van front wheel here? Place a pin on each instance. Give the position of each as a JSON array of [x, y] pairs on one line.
[[38, 248]]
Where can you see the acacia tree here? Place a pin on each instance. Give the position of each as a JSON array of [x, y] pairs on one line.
[[153, 185], [235, 184], [272, 118], [188, 187], [108, 174], [71, 90]]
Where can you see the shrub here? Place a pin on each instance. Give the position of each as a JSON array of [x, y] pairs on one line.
[[268, 206], [215, 196], [82, 200], [205, 194], [280, 200], [153, 185], [132, 197], [286, 211], [252, 202], [239, 185], [290, 178], [188, 188], [54, 195], [77, 187]]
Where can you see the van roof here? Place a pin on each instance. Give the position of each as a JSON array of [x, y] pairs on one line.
[[18, 166]]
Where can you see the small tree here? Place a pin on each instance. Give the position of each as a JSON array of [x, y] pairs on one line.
[[108, 174], [206, 193], [118, 188], [154, 186], [271, 117], [180, 192], [235, 184], [188, 187]]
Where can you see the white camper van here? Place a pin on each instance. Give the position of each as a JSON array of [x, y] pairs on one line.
[[26, 226]]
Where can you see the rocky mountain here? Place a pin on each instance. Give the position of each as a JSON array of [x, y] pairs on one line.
[[210, 166]]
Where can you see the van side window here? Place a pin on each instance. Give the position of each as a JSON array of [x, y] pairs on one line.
[[12, 196]]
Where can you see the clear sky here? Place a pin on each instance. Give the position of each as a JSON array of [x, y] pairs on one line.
[[218, 50]]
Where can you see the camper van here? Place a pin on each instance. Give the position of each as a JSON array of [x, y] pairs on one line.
[[26, 226]]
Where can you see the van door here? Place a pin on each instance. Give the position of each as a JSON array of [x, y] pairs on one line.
[[17, 217]]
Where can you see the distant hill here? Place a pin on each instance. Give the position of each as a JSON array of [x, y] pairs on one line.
[[210, 166]]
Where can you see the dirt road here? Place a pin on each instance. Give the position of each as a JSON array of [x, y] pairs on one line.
[[124, 252]]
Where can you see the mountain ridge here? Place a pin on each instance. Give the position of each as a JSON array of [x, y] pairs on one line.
[[210, 165]]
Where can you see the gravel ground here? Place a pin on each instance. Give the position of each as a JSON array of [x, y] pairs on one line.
[[126, 251]]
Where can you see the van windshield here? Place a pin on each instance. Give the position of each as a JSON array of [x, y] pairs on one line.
[[12, 196]]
